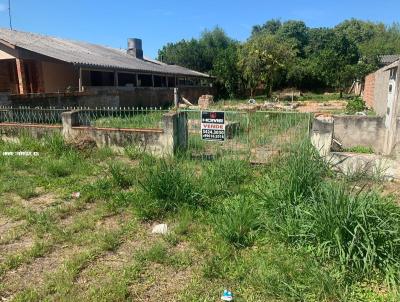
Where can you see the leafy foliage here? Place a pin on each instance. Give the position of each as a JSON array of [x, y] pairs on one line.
[[314, 57]]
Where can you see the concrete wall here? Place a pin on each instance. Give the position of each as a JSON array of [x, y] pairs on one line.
[[58, 77], [381, 91], [109, 97], [13, 130], [353, 131], [173, 136], [356, 131]]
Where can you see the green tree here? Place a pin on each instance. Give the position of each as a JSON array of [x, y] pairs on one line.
[[336, 62], [262, 59], [295, 32], [228, 76], [270, 27]]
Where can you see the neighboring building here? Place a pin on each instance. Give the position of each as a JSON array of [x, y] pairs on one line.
[[381, 88], [385, 60], [32, 63]]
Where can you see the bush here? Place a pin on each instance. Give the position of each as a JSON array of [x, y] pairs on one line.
[[237, 221], [355, 105]]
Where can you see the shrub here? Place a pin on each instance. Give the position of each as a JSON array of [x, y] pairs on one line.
[[355, 105], [237, 221]]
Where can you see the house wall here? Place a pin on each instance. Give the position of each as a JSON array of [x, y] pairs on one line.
[[8, 81], [57, 77], [381, 91], [369, 90], [4, 76], [5, 56], [109, 97]]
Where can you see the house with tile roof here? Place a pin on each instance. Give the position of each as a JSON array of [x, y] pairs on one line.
[[33, 63]]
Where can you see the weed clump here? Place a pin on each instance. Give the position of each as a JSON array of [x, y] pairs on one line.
[[359, 230], [238, 221], [121, 175]]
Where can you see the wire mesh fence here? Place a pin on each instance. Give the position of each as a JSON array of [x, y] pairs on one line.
[[252, 135]]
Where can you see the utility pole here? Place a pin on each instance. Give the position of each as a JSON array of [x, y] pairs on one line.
[[9, 13]]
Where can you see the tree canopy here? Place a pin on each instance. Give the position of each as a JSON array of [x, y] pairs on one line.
[[282, 54]]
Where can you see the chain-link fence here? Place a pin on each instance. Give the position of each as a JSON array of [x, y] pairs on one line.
[[252, 135]]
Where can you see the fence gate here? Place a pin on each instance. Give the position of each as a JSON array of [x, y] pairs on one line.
[[256, 136]]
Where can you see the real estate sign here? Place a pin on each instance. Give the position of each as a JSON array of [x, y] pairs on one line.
[[213, 126]]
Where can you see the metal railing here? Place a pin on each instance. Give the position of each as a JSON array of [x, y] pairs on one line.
[[103, 117], [122, 117], [29, 115]]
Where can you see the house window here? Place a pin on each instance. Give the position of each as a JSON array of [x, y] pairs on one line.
[[101, 78], [145, 80], [393, 73], [390, 88], [126, 79]]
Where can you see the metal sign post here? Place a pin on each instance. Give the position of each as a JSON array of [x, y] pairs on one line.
[[213, 126]]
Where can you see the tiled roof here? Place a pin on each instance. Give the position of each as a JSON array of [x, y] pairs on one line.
[[388, 59], [89, 55]]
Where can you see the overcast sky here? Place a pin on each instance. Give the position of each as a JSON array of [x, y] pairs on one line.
[[158, 22]]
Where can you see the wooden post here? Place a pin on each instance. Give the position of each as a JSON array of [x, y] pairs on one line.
[[115, 78], [21, 76], [80, 89], [152, 80], [137, 80], [176, 97]]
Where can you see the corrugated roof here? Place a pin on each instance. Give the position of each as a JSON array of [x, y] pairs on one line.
[[87, 54], [388, 59]]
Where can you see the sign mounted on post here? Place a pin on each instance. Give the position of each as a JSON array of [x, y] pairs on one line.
[[213, 126]]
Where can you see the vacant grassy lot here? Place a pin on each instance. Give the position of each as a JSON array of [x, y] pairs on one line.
[[286, 231]]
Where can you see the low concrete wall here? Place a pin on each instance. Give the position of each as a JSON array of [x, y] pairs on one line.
[[173, 136], [354, 131], [169, 139], [14, 130]]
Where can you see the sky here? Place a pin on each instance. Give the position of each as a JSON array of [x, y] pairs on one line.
[[158, 22]]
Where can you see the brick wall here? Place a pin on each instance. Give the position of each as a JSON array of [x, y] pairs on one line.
[[369, 90]]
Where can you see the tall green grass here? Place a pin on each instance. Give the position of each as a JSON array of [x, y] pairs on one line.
[[358, 230], [237, 221]]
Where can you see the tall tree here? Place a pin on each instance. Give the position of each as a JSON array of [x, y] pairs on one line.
[[262, 59]]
